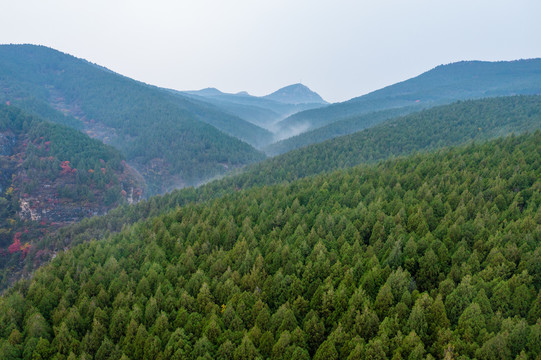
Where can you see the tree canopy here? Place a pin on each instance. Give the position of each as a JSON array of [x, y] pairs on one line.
[[433, 255]]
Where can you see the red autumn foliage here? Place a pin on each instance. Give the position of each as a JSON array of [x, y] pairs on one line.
[[16, 246]]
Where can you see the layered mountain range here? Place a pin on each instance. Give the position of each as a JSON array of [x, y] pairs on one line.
[[405, 223]]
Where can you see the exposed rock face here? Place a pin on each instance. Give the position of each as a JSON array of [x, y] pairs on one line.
[[44, 204], [27, 212]]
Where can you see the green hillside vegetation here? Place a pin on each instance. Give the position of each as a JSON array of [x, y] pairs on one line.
[[442, 126], [163, 135], [445, 125], [429, 256], [441, 85]]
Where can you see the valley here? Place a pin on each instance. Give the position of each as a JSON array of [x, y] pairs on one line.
[[138, 222]]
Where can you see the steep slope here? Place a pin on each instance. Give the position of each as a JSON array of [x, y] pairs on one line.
[[429, 256], [252, 109], [444, 84], [262, 111], [296, 94], [51, 175], [226, 121], [161, 134]]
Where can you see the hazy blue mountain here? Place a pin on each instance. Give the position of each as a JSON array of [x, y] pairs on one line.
[[441, 85], [263, 111], [165, 136], [253, 109], [296, 94]]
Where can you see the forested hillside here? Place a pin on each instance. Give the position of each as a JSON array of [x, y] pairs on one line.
[[433, 255], [51, 175], [346, 126], [165, 136], [435, 128], [429, 129], [441, 85]]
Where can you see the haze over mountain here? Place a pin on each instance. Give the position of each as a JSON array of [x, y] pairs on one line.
[[341, 127], [163, 135], [443, 84], [444, 125], [263, 111]]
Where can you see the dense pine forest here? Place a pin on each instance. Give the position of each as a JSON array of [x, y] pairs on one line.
[[430, 129], [443, 126], [428, 256], [401, 224]]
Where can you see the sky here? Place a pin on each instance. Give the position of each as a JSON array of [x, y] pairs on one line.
[[340, 49]]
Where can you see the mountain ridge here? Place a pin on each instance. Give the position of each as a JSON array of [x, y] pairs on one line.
[[129, 115], [442, 84], [263, 111]]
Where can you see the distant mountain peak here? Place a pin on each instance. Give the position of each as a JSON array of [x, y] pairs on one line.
[[210, 91], [295, 94]]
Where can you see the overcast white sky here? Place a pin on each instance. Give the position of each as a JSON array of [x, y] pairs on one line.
[[340, 49]]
